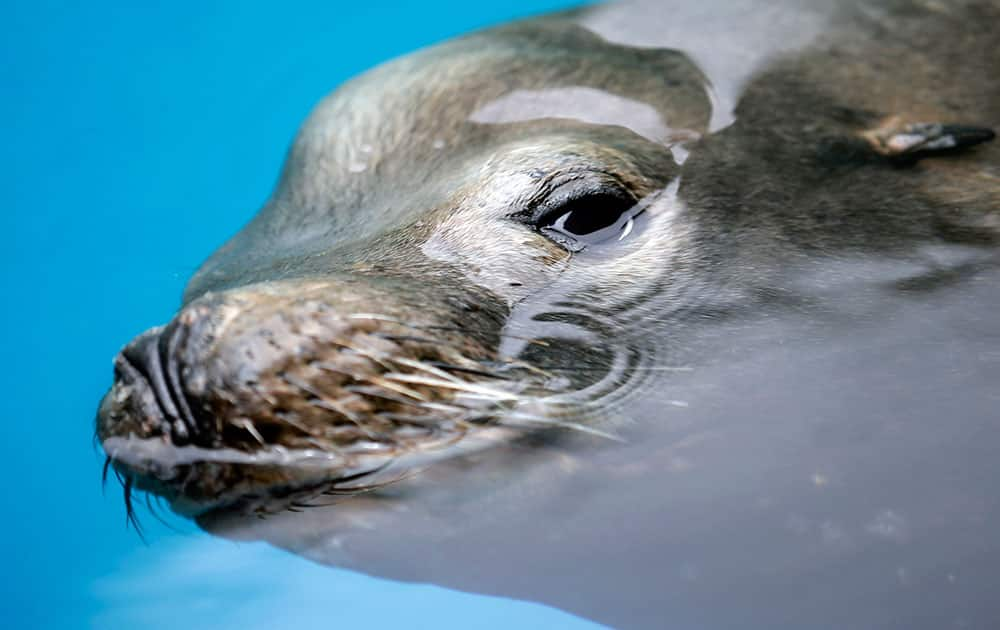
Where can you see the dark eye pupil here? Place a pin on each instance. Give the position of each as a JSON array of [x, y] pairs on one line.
[[589, 220], [593, 213]]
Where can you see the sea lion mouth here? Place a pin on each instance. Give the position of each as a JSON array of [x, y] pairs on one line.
[[268, 393], [199, 482]]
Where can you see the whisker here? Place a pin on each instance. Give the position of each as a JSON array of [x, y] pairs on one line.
[[295, 424], [305, 506], [323, 401], [423, 421], [376, 392], [637, 368], [352, 417], [516, 364], [104, 473], [131, 517], [362, 474], [379, 358], [531, 340], [332, 367], [398, 388], [393, 320], [462, 386], [444, 407], [413, 338], [562, 424], [301, 384], [355, 490], [424, 367], [249, 427], [466, 370]]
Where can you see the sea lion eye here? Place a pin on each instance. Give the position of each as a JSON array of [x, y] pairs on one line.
[[589, 219]]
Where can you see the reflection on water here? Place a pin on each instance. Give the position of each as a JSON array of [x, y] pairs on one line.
[[840, 452], [214, 584]]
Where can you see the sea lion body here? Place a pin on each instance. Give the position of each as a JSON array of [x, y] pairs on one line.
[[657, 312]]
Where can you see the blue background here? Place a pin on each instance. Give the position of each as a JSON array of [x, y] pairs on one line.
[[135, 140]]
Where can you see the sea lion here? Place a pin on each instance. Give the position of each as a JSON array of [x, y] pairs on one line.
[[640, 309]]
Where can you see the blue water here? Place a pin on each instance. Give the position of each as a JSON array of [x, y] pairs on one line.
[[135, 140]]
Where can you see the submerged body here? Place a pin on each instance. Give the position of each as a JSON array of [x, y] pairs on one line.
[[666, 313]]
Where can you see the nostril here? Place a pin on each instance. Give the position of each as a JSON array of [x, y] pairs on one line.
[[154, 355], [169, 346], [144, 356]]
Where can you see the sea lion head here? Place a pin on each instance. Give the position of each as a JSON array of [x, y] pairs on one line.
[[500, 236], [442, 266]]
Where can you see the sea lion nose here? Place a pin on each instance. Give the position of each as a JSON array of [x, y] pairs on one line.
[[149, 356], [149, 378], [139, 374]]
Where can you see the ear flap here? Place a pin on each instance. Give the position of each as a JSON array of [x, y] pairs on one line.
[[909, 142]]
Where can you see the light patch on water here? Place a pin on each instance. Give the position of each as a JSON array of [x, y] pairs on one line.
[[213, 583]]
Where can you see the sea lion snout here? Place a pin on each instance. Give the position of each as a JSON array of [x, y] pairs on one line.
[[267, 375], [158, 378], [146, 367]]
